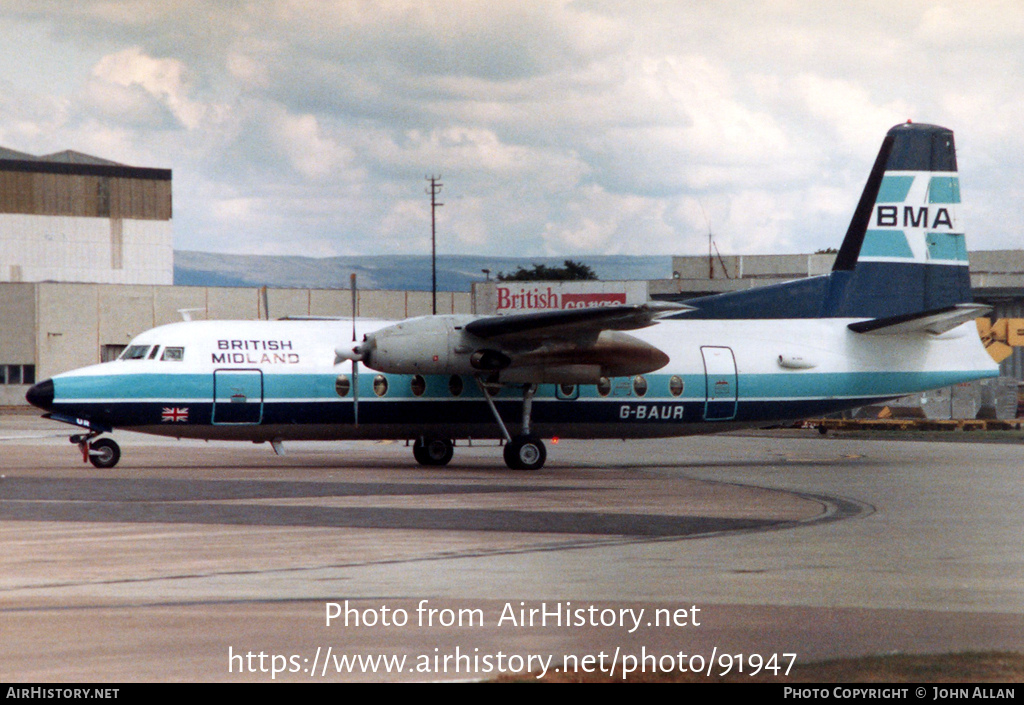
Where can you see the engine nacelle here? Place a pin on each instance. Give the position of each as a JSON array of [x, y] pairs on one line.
[[429, 345], [440, 345]]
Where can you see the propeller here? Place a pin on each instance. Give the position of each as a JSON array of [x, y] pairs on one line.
[[354, 353], [355, 360]]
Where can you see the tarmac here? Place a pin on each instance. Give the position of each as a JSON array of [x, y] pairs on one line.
[[195, 561]]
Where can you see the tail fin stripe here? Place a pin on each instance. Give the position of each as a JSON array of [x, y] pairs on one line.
[[950, 247], [886, 243], [894, 189], [846, 259], [944, 189]]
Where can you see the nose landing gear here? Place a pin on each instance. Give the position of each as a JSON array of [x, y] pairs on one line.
[[102, 452]]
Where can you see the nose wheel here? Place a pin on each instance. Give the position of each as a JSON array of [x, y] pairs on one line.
[[102, 452]]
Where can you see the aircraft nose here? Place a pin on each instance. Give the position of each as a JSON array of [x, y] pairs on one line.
[[41, 394]]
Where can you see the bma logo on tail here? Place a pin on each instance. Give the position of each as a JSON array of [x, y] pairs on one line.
[[916, 219]]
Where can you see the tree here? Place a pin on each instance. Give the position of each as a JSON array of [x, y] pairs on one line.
[[571, 271]]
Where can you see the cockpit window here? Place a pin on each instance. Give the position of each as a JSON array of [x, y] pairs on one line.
[[175, 354], [156, 349], [135, 352]]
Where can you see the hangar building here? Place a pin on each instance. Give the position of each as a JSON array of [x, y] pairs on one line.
[[73, 217]]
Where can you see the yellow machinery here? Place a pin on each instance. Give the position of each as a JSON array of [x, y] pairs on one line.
[[1002, 336]]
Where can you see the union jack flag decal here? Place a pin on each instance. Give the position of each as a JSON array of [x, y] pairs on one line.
[[175, 413]]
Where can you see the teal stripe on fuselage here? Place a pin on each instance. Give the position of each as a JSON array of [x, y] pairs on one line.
[[824, 385], [782, 385], [133, 386]]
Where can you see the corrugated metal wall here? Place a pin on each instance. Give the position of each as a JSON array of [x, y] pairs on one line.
[[83, 195]]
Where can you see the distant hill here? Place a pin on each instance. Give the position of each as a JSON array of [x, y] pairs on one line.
[[408, 272]]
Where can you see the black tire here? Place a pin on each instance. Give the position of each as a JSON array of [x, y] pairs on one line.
[[434, 452], [104, 453], [525, 453]]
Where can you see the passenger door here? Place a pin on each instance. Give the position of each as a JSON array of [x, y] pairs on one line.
[[237, 396], [721, 382]]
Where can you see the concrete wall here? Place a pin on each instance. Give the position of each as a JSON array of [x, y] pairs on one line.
[[993, 273], [779, 267], [17, 338], [67, 327]]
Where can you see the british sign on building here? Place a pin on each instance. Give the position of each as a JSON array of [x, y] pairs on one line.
[[517, 297]]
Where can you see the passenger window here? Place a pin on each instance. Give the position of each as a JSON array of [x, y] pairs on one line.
[[567, 391], [455, 385], [174, 354], [675, 385], [639, 386], [342, 385], [419, 386]]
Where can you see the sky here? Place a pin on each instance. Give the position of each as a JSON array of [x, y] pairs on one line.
[[302, 127]]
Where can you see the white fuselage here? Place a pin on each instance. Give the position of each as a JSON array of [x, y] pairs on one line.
[[277, 380]]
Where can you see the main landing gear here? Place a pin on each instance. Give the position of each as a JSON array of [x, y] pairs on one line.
[[524, 451], [433, 451], [102, 452]]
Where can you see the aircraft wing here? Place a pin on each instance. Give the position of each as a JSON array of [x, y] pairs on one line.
[[581, 324], [574, 346]]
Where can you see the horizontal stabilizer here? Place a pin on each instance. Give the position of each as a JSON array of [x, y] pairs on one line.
[[935, 321]]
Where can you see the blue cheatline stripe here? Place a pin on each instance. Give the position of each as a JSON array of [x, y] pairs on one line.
[[320, 419], [947, 246], [944, 189], [894, 189], [311, 387], [886, 243]]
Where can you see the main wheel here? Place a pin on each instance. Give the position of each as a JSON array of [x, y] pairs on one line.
[[525, 453], [433, 451], [104, 453]]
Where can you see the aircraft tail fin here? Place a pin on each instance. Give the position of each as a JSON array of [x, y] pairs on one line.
[[904, 252]]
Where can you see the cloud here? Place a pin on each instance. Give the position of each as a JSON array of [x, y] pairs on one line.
[[559, 127], [126, 79]]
